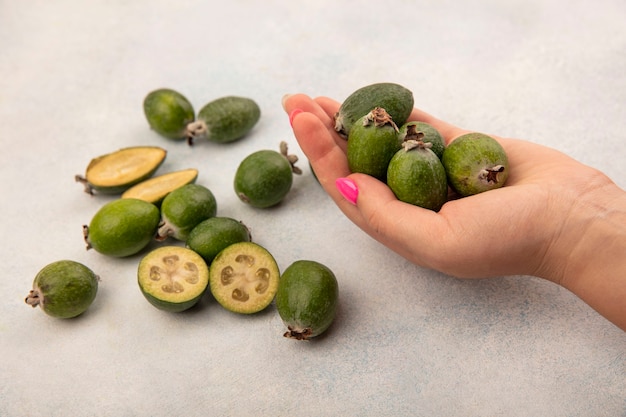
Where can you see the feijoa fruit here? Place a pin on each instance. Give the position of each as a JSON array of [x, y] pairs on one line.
[[244, 277], [215, 234], [424, 132], [168, 113], [474, 163], [173, 278], [307, 299], [155, 189], [183, 209], [63, 289], [122, 227]]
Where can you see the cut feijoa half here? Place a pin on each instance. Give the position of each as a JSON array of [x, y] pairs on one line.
[[244, 278], [173, 278], [115, 172], [155, 189]]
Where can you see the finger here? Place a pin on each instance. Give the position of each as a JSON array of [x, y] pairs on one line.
[[330, 106], [306, 104]]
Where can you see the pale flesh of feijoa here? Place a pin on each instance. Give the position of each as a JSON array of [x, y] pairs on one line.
[[307, 299], [117, 171], [156, 188], [244, 278], [173, 278], [63, 289]]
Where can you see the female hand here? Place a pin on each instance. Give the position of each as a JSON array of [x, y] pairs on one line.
[[531, 226]]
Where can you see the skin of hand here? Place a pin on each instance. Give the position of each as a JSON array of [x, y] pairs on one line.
[[555, 218]]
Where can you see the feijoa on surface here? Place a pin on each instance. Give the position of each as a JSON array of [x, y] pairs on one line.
[[183, 209], [122, 227], [265, 177], [117, 171], [173, 278], [64, 289], [395, 99], [416, 176], [225, 119], [168, 113], [372, 142], [244, 278], [474, 163], [215, 234], [155, 189], [307, 299], [423, 132]]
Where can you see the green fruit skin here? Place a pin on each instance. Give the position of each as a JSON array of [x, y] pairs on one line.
[[229, 118], [168, 113], [66, 288], [213, 235], [307, 297], [465, 157], [395, 99], [370, 148], [123, 227], [184, 208], [431, 135], [263, 179], [417, 177], [172, 307]]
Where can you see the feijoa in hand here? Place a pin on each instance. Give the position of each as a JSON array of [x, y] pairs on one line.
[[64, 289], [168, 113], [416, 176], [475, 163], [215, 234], [307, 299], [265, 177], [394, 98], [122, 227], [173, 278], [225, 119], [372, 142], [424, 132], [183, 209], [244, 278]]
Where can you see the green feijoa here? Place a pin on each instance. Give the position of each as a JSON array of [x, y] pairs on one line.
[[117, 171], [307, 299], [122, 227], [416, 176], [424, 132], [215, 234], [225, 119], [168, 113], [63, 289], [265, 177], [396, 99], [183, 209], [475, 163], [173, 278], [373, 141], [244, 277]]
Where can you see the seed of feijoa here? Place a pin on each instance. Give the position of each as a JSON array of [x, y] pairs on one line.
[[183, 209], [63, 289]]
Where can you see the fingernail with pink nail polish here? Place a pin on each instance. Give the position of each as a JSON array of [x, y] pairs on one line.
[[348, 189], [293, 114]]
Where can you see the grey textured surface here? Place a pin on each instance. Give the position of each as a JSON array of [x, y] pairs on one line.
[[407, 341]]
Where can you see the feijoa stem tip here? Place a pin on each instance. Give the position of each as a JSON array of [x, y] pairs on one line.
[[194, 130], [304, 334], [291, 158], [33, 298]]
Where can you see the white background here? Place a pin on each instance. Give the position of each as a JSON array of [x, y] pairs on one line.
[[406, 341]]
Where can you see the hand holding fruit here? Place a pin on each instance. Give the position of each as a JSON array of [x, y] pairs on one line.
[[531, 226]]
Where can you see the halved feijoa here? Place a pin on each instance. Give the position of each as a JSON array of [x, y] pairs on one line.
[[475, 163], [416, 176], [307, 299], [115, 172], [183, 209], [168, 113], [395, 99], [63, 289], [215, 234], [423, 132], [372, 142], [225, 119], [122, 227], [244, 278], [155, 189], [173, 278], [265, 177]]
